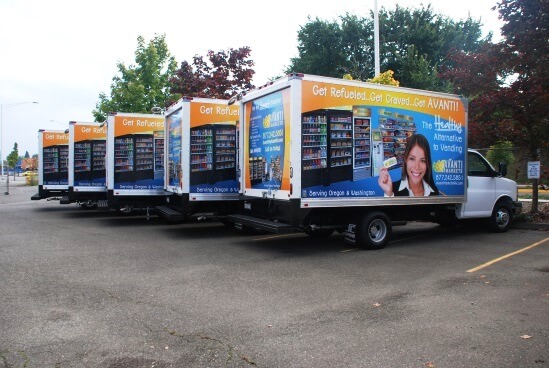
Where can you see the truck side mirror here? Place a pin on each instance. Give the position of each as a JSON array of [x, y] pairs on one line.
[[502, 169]]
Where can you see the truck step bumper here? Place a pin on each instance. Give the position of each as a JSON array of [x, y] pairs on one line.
[[103, 204], [169, 213], [257, 223]]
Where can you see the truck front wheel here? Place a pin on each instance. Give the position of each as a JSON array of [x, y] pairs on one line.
[[373, 231], [501, 218]]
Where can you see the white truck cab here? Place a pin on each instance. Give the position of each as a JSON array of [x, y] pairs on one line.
[[489, 193]]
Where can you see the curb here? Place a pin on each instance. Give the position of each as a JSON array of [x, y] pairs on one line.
[[531, 226]]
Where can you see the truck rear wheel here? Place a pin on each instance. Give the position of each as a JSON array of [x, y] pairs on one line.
[[501, 218], [373, 231]]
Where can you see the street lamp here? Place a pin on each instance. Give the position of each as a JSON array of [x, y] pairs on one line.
[[2, 107]]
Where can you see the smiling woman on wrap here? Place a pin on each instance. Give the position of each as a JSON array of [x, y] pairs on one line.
[[417, 173]]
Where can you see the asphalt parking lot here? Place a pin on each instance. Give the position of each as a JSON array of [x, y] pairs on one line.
[[85, 288]]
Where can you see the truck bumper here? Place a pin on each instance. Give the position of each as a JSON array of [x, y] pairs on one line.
[[518, 208]]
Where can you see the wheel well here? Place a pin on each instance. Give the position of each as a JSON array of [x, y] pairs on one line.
[[505, 200]]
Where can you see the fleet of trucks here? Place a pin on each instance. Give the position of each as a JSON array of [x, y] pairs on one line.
[[303, 153]]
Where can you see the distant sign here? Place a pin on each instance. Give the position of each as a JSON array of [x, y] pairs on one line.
[[534, 169]]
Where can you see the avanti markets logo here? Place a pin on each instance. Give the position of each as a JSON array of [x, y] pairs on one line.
[[448, 166]]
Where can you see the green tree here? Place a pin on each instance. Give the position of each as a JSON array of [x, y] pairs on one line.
[[27, 154], [385, 78], [480, 76], [140, 87], [220, 75], [413, 43], [508, 83], [321, 50], [526, 49], [501, 152], [13, 158]]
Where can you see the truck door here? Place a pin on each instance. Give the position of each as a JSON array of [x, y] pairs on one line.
[[481, 187]]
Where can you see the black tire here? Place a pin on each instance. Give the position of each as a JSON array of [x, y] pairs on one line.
[[373, 231], [501, 218]]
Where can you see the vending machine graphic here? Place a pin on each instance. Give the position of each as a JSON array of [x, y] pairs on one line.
[[314, 145], [362, 167], [124, 154], [340, 146], [89, 162], [213, 153], [327, 147], [224, 152], [99, 153], [201, 152], [395, 129], [158, 155], [134, 157], [144, 157], [55, 164]]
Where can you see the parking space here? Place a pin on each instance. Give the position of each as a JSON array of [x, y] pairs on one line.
[[83, 288]]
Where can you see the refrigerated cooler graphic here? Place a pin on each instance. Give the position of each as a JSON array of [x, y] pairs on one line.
[[158, 155], [134, 157], [327, 147], [89, 162], [56, 160], [212, 153], [362, 148], [394, 129]]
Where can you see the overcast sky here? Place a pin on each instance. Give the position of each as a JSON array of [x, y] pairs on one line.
[[63, 53]]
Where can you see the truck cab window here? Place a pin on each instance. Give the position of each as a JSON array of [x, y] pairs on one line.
[[477, 166]]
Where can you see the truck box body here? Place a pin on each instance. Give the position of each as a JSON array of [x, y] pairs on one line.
[[135, 160], [87, 162], [315, 151], [53, 157], [201, 138], [323, 141]]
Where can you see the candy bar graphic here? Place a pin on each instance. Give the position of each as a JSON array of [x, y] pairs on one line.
[[390, 162]]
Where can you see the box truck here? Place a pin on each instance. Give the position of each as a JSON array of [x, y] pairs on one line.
[[135, 161], [87, 164], [201, 159], [53, 161], [323, 154]]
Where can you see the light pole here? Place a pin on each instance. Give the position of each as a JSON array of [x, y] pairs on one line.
[[376, 41], [2, 107]]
